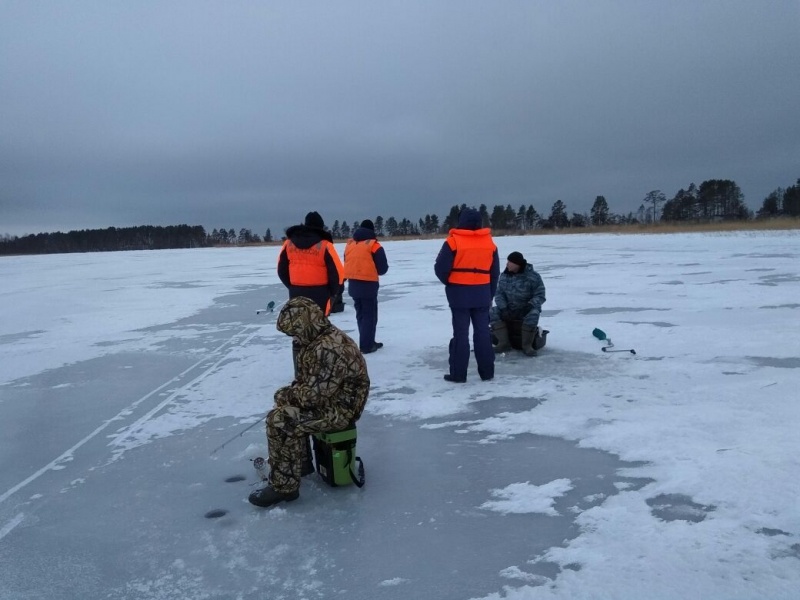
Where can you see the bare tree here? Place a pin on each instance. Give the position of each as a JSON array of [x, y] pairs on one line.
[[655, 198]]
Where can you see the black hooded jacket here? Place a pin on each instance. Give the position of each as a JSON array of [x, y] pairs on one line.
[[305, 237]]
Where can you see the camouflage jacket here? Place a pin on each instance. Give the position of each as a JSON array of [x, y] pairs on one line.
[[331, 371], [520, 293]]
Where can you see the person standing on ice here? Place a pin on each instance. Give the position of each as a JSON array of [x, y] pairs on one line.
[[308, 264], [520, 295], [329, 391], [364, 261], [469, 267]]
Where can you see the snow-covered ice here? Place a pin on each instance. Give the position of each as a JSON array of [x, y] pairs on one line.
[[672, 473]]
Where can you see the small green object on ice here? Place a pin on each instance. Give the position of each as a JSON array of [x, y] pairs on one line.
[[601, 335]]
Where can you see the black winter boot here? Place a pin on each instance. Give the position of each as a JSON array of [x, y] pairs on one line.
[[528, 337], [500, 331], [266, 497]]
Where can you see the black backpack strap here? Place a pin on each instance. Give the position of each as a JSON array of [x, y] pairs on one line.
[[360, 480]]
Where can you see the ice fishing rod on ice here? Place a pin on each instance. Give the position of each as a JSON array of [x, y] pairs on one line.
[[605, 349], [601, 335], [240, 434], [270, 307]]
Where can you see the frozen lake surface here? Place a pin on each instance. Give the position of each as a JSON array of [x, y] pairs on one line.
[[672, 473]]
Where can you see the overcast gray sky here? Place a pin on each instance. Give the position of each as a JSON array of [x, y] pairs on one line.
[[249, 114]]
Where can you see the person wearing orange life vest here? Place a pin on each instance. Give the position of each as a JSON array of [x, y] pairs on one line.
[[364, 261], [308, 264], [469, 266]]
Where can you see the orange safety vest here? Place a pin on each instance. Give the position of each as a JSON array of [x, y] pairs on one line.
[[307, 265], [358, 261], [474, 251]]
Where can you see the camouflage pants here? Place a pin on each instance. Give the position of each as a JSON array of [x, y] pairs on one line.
[[288, 428]]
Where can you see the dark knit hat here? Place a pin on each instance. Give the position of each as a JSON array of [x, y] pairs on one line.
[[367, 224], [313, 219], [517, 259]]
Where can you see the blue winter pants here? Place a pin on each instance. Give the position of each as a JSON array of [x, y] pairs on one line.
[[367, 320], [481, 339]]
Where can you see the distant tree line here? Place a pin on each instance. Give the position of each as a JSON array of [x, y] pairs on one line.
[[781, 203], [712, 200], [146, 237], [223, 237]]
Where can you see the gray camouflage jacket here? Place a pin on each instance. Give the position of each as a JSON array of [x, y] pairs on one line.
[[519, 295]]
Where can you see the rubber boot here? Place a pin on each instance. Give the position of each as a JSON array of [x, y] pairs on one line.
[[500, 331], [528, 337]]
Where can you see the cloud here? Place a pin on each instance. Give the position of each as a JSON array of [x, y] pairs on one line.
[[252, 114]]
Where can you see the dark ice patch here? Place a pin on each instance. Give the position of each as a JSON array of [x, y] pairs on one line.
[[768, 531], [772, 361], [792, 551], [413, 285], [607, 310], [470, 462], [654, 323], [10, 338], [177, 285], [778, 278], [483, 409], [553, 361], [771, 306], [400, 390], [673, 282], [573, 266], [761, 255], [678, 507], [390, 292]]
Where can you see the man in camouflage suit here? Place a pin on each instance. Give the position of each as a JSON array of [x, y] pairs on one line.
[[520, 295], [328, 394]]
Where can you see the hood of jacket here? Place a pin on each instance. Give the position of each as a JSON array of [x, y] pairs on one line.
[[303, 319], [364, 233], [303, 236], [469, 218]]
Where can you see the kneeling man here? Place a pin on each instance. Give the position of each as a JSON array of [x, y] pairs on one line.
[[520, 295]]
